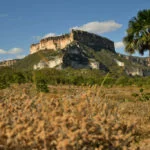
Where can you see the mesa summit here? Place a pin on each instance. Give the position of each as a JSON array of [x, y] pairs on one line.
[[60, 42]]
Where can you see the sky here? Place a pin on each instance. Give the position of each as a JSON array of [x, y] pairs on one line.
[[24, 22]]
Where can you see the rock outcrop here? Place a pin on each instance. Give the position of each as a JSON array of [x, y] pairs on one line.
[[78, 55], [60, 42], [73, 56], [8, 63], [83, 50]]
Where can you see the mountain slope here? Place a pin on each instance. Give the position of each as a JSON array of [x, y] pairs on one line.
[[29, 61], [79, 56]]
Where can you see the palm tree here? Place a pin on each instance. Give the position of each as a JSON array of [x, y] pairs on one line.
[[138, 33]]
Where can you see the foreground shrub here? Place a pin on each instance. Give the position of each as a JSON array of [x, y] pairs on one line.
[[142, 95], [85, 122]]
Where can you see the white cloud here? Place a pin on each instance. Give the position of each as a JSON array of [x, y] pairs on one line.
[[20, 56], [2, 51], [11, 54], [37, 38], [49, 35], [13, 51], [100, 27], [119, 45]]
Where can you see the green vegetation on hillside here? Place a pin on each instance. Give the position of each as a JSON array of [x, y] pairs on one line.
[[29, 61], [69, 77], [106, 58]]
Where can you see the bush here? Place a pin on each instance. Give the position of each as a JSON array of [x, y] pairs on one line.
[[122, 81], [70, 76], [54, 123], [3, 83], [41, 86], [19, 78]]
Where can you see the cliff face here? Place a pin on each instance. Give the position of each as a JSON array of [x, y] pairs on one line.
[[52, 43], [74, 55], [8, 63], [59, 42], [93, 41], [78, 56], [81, 49]]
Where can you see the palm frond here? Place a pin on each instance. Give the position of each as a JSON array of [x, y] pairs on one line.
[[138, 33]]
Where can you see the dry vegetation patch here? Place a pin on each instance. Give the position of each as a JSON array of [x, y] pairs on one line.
[[71, 117]]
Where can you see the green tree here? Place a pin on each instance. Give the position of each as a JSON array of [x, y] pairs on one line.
[[4, 83], [138, 33], [19, 77], [41, 85]]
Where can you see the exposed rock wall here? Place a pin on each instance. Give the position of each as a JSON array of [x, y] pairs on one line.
[[34, 48], [135, 72], [59, 42], [119, 63], [78, 56], [148, 61], [8, 63], [73, 57], [53, 43], [92, 40], [49, 64]]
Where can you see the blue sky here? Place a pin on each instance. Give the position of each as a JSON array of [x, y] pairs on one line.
[[23, 22]]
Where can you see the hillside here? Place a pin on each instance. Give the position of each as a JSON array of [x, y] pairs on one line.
[[29, 61], [80, 50], [80, 56]]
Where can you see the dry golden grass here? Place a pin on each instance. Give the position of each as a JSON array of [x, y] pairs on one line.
[[71, 117]]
